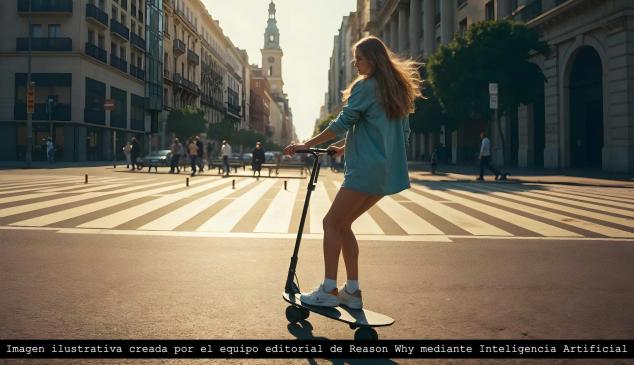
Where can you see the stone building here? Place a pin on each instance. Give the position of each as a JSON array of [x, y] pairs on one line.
[[586, 118], [83, 52]]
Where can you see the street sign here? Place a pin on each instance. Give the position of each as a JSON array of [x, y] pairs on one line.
[[493, 88], [109, 104], [30, 100], [493, 101]]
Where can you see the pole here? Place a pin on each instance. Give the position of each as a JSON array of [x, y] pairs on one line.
[[114, 147], [29, 121]]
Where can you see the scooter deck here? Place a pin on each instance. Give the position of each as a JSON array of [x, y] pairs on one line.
[[354, 317]]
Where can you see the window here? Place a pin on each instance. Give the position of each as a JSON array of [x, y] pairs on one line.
[[91, 36], [139, 62], [113, 49], [137, 115], [102, 41], [118, 116], [95, 97], [462, 27], [123, 19], [115, 13], [54, 30], [56, 86], [122, 53], [36, 31], [489, 11]]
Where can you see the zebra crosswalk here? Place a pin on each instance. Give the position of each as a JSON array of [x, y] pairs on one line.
[[246, 207]]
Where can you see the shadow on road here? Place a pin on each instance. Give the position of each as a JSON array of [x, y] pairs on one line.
[[304, 331]]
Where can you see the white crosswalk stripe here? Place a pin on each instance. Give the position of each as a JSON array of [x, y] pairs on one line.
[[538, 227], [547, 211], [227, 218], [277, 217], [561, 218], [118, 218]]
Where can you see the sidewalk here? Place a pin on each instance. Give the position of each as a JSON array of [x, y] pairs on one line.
[[421, 171], [19, 165]]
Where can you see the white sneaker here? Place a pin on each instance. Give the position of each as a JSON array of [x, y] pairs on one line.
[[352, 301], [321, 298]]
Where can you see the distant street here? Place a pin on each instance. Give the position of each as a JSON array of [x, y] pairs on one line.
[[141, 255]]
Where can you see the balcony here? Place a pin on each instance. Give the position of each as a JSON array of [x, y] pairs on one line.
[[96, 16], [96, 52], [529, 11], [186, 84], [192, 57], [137, 72], [137, 41], [119, 30], [44, 44], [179, 47], [166, 74], [118, 63], [45, 6]]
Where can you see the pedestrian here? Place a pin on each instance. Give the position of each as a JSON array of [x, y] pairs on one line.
[[134, 154], [225, 152], [485, 157], [193, 154], [201, 150], [50, 150], [127, 149], [434, 161], [257, 158], [175, 148], [375, 116]]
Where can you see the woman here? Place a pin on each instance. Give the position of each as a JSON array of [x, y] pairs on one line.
[[375, 117], [257, 158]]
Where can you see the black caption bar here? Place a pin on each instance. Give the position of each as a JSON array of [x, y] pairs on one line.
[[262, 349]]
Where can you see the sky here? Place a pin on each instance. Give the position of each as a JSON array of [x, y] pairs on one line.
[[307, 29]]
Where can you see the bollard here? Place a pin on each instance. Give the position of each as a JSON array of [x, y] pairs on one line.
[[186, 181], [233, 184], [284, 184], [86, 179]]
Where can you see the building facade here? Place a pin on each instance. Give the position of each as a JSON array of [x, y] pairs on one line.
[[586, 117], [83, 52]]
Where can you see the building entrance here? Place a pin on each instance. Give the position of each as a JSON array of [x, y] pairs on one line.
[[586, 110]]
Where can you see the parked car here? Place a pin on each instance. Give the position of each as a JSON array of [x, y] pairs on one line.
[[156, 159], [247, 157]]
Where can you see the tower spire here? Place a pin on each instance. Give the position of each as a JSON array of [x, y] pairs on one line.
[[271, 34]]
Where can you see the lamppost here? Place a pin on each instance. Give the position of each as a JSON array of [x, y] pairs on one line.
[[29, 86]]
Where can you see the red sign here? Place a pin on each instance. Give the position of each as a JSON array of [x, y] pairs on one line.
[[109, 104]]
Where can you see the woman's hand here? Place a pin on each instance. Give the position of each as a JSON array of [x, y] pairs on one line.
[[337, 151], [292, 148]]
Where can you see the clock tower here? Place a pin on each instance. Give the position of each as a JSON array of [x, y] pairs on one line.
[[272, 53]]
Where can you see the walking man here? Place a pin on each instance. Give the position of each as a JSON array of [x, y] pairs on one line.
[[176, 156], [134, 153], [199, 160], [193, 154], [50, 150], [485, 157], [225, 152]]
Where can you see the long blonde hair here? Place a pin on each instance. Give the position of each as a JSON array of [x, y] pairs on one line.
[[398, 79]]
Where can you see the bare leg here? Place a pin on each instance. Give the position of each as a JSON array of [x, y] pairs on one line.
[[347, 206], [350, 248]]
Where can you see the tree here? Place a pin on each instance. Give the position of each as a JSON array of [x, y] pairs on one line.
[[429, 116], [221, 130], [186, 122], [323, 124], [490, 52]]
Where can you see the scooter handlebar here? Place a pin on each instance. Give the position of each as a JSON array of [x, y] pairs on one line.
[[316, 151]]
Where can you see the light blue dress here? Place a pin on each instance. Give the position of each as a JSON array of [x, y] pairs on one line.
[[376, 159]]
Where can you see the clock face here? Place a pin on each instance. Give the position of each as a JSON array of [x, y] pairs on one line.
[[271, 59]]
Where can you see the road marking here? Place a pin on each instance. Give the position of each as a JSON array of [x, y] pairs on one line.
[[120, 217], [226, 219], [186, 212], [538, 227], [69, 213], [365, 224], [17, 198], [629, 206], [460, 219], [277, 218], [563, 219]]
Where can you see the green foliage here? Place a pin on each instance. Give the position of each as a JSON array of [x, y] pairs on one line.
[[429, 115], [490, 52], [323, 124], [221, 130], [186, 122]]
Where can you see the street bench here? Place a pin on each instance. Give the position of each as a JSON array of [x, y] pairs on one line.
[[284, 166], [220, 165]]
